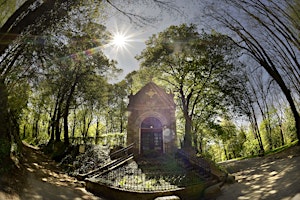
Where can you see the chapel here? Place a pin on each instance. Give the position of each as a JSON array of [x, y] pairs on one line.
[[151, 124]]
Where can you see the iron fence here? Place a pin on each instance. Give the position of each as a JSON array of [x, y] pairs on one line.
[[136, 180], [106, 139]]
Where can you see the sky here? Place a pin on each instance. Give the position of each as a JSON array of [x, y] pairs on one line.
[[117, 22], [136, 36]]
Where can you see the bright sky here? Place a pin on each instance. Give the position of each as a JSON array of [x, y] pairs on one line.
[[136, 36]]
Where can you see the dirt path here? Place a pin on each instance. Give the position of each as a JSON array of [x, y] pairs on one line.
[[42, 180], [274, 177]]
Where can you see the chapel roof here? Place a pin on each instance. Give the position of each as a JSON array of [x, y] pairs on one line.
[[151, 93]]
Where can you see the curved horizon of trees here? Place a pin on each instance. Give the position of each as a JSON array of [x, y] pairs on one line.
[[54, 79], [53, 49], [269, 36]]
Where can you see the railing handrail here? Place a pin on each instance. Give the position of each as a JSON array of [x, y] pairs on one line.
[[200, 162], [123, 150], [107, 167]]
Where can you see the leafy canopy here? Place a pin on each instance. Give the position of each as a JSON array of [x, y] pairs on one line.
[[199, 67]]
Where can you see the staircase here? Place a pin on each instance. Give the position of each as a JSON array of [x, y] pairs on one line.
[[205, 168], [119, 157]]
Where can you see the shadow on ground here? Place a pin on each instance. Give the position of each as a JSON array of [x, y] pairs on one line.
[[271, 177], [42, 179]]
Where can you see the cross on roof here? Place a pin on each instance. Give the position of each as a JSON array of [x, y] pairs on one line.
[[150, 93]]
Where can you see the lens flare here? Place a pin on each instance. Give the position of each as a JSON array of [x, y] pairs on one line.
[[119, 40]]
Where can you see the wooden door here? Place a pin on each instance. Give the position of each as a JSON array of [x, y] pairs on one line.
[[151, 136]]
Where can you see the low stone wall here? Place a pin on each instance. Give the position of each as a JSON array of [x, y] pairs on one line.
[[112, 193]]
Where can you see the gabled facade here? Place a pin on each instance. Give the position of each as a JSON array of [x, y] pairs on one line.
[[151, 121]]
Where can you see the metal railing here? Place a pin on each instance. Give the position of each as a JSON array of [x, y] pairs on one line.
[[104, 139], [201, 164], [119, 158], [122, 152], [136, 180]]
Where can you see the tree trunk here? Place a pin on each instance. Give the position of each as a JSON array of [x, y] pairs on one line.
[[58, 117], [187, 142], [281, 135], [226, 155], [66, 126], [52, 121], [121, 115], [5, 138], [66, 112], [296, 115], [288, 96], [66, 130], [97, 131], [74, 125], [57, 125], [15, 131], [28, 15], [256, 130]]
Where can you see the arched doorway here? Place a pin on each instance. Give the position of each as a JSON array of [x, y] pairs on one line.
[[151, 136]]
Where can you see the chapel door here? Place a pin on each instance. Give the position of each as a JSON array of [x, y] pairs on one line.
[[151, 136]]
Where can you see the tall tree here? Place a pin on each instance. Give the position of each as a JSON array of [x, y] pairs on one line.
[[267, 31], [32, 18], [246, 103], [198, 67]]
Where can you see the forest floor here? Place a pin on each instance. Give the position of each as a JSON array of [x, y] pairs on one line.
[[38, 178], [274, 176]]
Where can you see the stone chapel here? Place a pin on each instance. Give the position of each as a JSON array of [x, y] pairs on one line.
[[151, 124]]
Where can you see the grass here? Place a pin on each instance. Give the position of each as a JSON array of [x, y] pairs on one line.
[[168, 167], [159, 173], [159, 164], [270, 152], [282, 148]]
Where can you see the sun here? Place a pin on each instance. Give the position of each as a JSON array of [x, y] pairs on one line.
[[122, 41], [119, 40]]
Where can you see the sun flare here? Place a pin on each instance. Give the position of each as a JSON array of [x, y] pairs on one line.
[[122, 41], [119, 40]]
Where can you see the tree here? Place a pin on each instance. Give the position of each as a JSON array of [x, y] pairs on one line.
[[245, 103], [198, 67], [5, 142], [13, 55], [32, 19], [267, 31]]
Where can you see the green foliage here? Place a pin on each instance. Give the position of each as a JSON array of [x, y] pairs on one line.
[[71, 81], [135, 80], [282, 148], [215, 152], [229, 142], [265, 135], [251, 146], [41, 139], [198, 67], [289, 127]]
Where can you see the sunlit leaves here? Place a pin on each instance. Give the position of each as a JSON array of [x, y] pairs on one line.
[[196, 65]]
